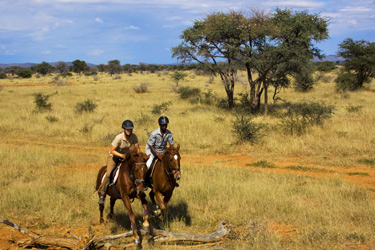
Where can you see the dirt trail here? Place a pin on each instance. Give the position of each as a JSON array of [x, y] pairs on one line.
[[360, 174]]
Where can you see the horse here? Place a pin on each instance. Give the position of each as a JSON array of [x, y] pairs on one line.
[[130, 185], [164, 176]]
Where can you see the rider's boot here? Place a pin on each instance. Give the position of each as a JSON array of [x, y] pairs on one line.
[[102, 195], [176, 185]]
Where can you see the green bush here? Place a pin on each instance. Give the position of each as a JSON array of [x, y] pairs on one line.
[[188, 93], [3, 76], [25, 73], [246, 129], [346, 81], [327, 66], [158, 109], [302, 115], [86, 106], [41, 102]]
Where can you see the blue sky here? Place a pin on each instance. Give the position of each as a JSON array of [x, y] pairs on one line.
[[98, 31]]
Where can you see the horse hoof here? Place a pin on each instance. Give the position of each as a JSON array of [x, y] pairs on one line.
[[109, 216], [157, 212], [138, 242]]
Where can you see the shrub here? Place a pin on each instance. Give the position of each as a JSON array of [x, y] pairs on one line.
[[353, 109], [346, 81], [246, 129], [158, 109], [141, 88], [52, 118], [116, 77], [25, 73], [66, 74], [302, 115], [327, 66], [187, 92], [41, 102], [3, 76], [86, 106]]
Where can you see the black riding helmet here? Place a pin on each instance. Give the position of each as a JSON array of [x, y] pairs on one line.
[[127, 124], [163, 120]]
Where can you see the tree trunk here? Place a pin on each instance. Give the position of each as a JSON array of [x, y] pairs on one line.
[[265, 99]]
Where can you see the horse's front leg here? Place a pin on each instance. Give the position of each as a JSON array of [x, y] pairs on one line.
[[128, 207], [145, 224], [101, 208], [112, 205], [159, 198]]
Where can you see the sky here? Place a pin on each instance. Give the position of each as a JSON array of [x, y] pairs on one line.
[[98, 31]]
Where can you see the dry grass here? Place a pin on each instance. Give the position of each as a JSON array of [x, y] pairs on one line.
[[49, 162]]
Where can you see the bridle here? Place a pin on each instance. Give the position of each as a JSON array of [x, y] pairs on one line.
[[172, 170], [132, 174]]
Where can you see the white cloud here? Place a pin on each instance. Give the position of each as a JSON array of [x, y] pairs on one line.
[[132, 27], [46, 52], [356, 9], [98, 20], [96, 52]]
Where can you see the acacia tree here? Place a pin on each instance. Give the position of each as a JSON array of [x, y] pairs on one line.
[[359, 66], [178, 76], [269, 46], [213, 42], [79, 66], [62, 67], [114, 67]]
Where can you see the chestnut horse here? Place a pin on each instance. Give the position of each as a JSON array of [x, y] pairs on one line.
[[164, 177], [130, 184]]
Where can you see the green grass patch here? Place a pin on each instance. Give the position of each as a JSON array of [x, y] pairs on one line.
[[358, 173], [309, 169], [262, 164], [367, 161]]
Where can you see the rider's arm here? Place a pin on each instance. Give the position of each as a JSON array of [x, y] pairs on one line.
[[115, 153], [154, 152], [137, 147]]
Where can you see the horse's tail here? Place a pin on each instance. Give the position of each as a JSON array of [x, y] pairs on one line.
[[99, 178]]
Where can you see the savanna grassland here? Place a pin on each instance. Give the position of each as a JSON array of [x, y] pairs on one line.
[[314, 190]]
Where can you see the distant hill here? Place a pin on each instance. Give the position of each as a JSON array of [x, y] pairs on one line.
[[28, 65], [329, 58]]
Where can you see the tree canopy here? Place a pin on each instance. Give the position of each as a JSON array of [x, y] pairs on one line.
[[268, 46], [359, 66]]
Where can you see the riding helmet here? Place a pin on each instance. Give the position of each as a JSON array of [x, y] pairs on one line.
[[163, 120], [127, 124]]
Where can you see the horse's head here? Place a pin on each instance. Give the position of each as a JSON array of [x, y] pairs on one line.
[[172, 160], [138, 169]]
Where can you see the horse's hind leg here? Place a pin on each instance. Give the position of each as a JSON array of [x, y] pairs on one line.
[[112, 202]]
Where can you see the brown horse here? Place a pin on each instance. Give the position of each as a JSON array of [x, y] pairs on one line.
[[164, 177], [130, 184]]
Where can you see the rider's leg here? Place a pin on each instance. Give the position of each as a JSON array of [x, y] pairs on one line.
[[150, 162], [102, 190]]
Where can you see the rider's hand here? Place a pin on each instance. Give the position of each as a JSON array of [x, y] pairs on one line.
[[159, 156]]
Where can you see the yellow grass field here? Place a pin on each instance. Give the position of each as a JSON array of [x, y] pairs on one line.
[[312, 191]]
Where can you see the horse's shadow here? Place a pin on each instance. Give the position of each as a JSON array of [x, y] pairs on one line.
[[175, 212]]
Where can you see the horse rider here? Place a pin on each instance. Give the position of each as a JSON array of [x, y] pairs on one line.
[[119, 147], [157, 143]]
